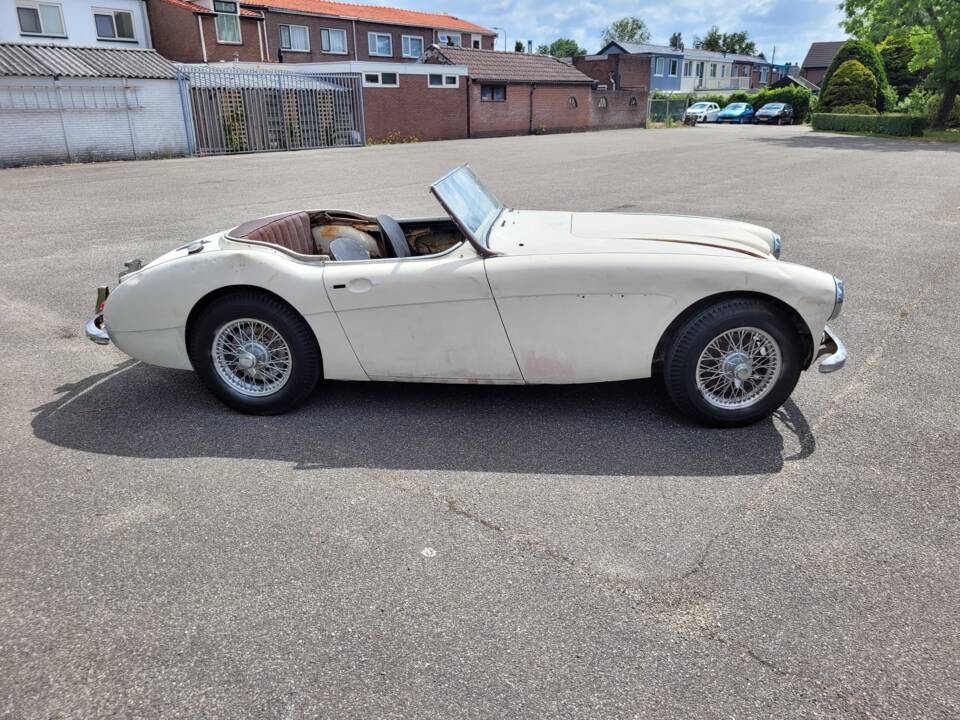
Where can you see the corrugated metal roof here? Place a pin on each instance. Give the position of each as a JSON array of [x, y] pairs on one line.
[[494, 65], [22, 59]]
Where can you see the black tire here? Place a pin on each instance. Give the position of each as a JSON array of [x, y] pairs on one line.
[[305, 362], [695, 334]]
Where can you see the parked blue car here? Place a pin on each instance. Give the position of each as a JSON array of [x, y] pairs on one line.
[[737, 113]]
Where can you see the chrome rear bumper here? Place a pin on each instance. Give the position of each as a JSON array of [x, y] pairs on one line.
[[95, 331], [835, 351]]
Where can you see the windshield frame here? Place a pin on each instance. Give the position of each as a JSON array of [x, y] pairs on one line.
[[480, 236]]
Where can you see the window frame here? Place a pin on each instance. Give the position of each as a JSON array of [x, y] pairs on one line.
[[713, 70], [35, 6], [493, 95], [306, 32], [444, 84], [220, 13], [688, 68], [379, 83], [658, 66], [112, 14], [403, 44], [373, 46], [331, 51], [448, 34], [674, 67], [765, 74]]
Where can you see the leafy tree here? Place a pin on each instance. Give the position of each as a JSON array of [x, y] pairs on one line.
[[518, 46], [933, 27], [738, 43], [897, 53], [866, 54], [676, 41], [562, 48], [852, 84], [628, 29]]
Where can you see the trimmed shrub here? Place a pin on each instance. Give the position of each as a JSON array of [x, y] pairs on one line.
[[852, 84], [797, 97], [898, 125], [896, 53], [933, 105], [866, 54], [861, 109]]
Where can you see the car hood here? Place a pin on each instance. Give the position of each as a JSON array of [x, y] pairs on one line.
[[528, 232]]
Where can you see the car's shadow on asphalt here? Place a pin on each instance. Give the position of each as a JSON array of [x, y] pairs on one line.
[[627, 428]]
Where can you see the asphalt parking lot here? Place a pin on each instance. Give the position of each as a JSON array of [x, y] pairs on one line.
[[402, 551]]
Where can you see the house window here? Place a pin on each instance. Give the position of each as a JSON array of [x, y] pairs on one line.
[[713, 70], [603, 103], [386, 79], [687, 68], [699, 69], [450, 39], [41, 19], [633, 101], [572, 102], [764, 74], [659, 67], [674, 67], [493, 93], [228, 22], [438, 80], [114, 25], [333, 41], [475, 41], [380, 44], [723, 71], [412, 46], [294, 38]]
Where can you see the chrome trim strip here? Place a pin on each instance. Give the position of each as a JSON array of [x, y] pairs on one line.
[[95, 331], [836, 352], [838, 297]]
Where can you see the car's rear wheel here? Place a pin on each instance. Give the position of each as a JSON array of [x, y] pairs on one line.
[[733, 363], [255, 353]]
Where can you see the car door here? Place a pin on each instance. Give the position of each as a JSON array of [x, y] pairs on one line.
[[422, 318]]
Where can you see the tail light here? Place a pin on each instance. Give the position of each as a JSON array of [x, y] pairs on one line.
[[103, 292]]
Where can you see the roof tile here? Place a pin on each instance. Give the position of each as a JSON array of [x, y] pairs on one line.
[[499, 66], [376, 13], [821, 54]]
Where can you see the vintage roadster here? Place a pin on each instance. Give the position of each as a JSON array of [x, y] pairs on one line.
[[487, 294]]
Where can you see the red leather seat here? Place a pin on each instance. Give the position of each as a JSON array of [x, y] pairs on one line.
[[290, 231]]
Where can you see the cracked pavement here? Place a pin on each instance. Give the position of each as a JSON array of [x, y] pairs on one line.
[[595, 556]]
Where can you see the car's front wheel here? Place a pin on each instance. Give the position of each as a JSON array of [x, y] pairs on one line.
[[733, 363], [255, 353]]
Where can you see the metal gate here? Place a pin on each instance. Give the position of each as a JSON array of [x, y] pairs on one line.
[[240, 110]]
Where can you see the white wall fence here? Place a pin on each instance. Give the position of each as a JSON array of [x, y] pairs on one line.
[[83, 120]]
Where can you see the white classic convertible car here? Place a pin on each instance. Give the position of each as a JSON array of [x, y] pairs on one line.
[[487, 294]]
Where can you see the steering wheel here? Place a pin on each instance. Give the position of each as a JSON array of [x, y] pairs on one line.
[[394, 239]]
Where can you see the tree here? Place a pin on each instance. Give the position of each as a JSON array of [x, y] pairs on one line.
[[562, 48], [676, 41], [852, 84], [933, 27], [897, 53], [518, 46], [628, 29], [866, 54], [738, 43]]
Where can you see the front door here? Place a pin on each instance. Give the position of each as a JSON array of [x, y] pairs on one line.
[[422, 318]]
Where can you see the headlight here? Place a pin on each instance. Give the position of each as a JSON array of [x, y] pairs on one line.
[[838, 303], [777, 246]]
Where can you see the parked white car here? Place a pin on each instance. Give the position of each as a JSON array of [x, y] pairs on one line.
[[487, 294], [704, 111]]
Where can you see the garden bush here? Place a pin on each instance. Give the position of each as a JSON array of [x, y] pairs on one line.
[[933, 105], [865, 53], [899, 125], [861, 109], [799, 98], [852, 84]]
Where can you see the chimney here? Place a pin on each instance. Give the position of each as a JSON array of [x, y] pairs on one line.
[[529, 47]]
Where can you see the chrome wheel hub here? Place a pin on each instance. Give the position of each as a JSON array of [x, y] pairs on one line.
[[738, 368], [251, 357]]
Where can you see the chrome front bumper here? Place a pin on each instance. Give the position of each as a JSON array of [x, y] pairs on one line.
[[835, 351], [95, 331]]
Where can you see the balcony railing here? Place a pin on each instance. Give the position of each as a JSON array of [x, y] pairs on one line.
[[723, 83]]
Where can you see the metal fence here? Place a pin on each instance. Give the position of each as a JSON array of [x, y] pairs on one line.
[[239, 110], [668, 109]]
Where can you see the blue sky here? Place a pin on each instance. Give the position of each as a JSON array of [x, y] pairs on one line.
[[790, 25]]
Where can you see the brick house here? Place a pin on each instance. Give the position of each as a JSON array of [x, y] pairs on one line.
[[303, 31], [818, 60], [519, 93]]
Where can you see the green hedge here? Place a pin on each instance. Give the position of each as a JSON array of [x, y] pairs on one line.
[[899, 125], [799, 98]]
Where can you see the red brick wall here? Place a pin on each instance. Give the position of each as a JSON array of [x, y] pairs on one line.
[[624, 109], [814, 75], [355, 51], [512, 117], [598, 68], [176, 36], [415, 110], [634, 72]]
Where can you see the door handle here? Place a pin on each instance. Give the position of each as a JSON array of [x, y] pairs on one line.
[[360, 285]]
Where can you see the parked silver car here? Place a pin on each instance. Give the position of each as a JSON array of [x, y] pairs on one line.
[[703, 111]]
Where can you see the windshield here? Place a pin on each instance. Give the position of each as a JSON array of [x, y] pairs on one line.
[[736, 106], [470, 204], [772, 106], [698, 106]]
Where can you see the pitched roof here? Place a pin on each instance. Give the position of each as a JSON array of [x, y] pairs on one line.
[[499, 66], [201, 10], [23, 59], [644, 48], [376, 13], [692, 53], [821, 54]]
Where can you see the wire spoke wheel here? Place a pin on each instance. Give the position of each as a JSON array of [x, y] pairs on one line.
[[738, 368], [252, 357]]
